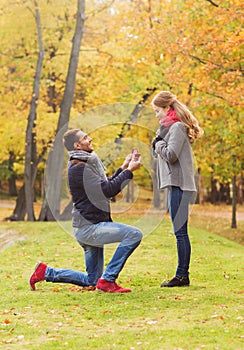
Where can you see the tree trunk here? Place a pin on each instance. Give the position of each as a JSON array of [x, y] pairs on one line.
[[20, 206], [239, 191], [12, 180], [126, 127], [233, 220], [30, 140], [54, 167], [214, 191], [200, 189], [67, 213], [51, 93], [135, 113], [130, 192]]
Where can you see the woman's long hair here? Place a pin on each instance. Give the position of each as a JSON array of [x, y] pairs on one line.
[[165, 98]]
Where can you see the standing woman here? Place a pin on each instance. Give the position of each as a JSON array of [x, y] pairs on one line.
[[175, 170]]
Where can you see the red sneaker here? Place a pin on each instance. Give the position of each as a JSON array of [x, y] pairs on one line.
[[110, 287], [38, 275]]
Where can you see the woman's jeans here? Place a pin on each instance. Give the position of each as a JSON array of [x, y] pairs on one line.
[[92, 238], [179, 208]]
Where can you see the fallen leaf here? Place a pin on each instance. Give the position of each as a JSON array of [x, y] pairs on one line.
[[90, 288], [7, 311], [107, 312], [81, 289]]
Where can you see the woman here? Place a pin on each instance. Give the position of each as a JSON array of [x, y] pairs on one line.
[[179, 128]]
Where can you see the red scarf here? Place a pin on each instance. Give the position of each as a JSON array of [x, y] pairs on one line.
[[170, 118]]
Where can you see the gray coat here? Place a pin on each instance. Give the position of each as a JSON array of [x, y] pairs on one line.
[[175, 160]]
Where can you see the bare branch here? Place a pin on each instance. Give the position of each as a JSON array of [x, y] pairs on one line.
[[150, 13], [95, 49], [204, 61], [191, 86], [212, 3], [30, 9], [210, 94]]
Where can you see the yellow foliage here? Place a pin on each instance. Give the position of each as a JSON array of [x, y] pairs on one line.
[[128, 48]]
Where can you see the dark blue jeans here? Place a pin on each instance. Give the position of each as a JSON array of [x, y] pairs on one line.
[[179, 209]]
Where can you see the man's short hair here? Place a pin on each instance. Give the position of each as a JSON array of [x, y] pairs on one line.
[[70, 138]]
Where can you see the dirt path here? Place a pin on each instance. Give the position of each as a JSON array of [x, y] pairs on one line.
[[8, 238], [218, 211]]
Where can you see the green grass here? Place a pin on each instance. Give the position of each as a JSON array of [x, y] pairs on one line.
[[207, 315]]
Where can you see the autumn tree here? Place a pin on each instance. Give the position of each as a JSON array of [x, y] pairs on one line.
[[30, 148], [128, 48], [194, 50], [51, 207]]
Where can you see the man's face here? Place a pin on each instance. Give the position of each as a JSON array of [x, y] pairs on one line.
[[84, 143]]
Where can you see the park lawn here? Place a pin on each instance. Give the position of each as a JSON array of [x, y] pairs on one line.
[[207, 315]]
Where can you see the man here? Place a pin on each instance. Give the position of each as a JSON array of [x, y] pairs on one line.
[[93, 227]]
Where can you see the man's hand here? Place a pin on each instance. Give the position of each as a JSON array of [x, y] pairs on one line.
[[134, 164], [126, 162]]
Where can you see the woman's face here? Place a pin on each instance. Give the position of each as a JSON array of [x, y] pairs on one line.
[[160, 112]]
